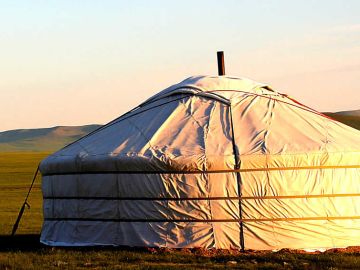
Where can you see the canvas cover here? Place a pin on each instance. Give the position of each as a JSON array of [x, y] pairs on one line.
[[211, 162]]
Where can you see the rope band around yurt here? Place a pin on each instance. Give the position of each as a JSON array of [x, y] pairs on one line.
[[208, 171]]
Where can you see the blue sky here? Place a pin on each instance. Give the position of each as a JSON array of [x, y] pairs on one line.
[[78, 62]]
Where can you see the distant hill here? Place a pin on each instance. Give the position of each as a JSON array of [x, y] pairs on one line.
[[54, 138], [350, 118], [350, 113], [42, 139]]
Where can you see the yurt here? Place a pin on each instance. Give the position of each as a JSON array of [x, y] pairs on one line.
[[210, 162]]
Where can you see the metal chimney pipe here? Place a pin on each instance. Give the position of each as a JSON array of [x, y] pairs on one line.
[[221, 63]]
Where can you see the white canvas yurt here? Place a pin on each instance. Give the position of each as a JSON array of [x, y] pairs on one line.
[[211, 162]]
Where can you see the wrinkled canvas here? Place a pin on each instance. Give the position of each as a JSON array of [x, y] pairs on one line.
[[193, 162]]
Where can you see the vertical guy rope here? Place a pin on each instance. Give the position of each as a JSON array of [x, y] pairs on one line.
[[238, 178], [25, 204]]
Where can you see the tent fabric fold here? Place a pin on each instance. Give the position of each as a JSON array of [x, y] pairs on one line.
[[199, 160]]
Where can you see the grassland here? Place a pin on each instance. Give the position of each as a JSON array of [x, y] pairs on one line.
[[25, 252], [16, 171], [50, 258]]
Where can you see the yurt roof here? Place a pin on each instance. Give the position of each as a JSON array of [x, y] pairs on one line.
[[226, 89], [223, 88], [172, 130]]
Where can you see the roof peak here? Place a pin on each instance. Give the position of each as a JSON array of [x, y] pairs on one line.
[[211, 83], [207, 85]]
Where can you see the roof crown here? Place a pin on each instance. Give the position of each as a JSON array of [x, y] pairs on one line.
[[223, 88]]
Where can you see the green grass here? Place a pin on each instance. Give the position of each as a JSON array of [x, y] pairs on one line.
[[16, 172], [25, 252], [113, 258]]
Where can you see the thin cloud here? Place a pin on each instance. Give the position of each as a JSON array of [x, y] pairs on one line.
[[349, 28]]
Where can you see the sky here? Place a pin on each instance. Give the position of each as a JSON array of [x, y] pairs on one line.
[[76, 62]]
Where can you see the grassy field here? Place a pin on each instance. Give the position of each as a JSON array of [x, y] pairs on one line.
[[25, 252], [16, 171], [56, 258]]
